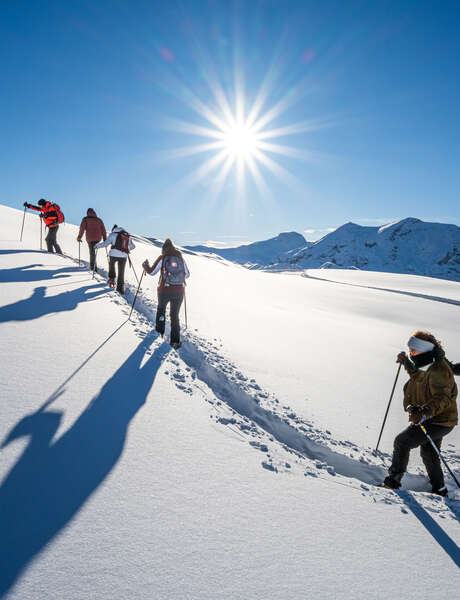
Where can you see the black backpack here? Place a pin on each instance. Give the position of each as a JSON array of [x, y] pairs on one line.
[[122, 241]]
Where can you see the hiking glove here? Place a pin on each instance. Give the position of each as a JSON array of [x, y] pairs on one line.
[[26, 204], [404, 360], [417, 415]]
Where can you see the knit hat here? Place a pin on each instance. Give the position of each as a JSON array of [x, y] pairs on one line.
[[416, 343]]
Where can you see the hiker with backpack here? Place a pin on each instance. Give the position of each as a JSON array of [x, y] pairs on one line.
[[121, 245], [52, 216], [430, 398], [171, 288], [95, 232]]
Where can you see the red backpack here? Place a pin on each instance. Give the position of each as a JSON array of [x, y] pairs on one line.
[[122, 241], [59, 213]]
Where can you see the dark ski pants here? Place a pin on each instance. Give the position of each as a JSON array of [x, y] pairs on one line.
[[411, 438], [51, 241], [113, 260], [92, 255], [176, 302]]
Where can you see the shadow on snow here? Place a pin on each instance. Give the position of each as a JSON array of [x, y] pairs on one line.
[[24, 274], [38, 304], [53, 479], [443, 539]]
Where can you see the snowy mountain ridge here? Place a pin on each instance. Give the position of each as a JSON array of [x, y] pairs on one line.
[[409, 246], [258, 254]]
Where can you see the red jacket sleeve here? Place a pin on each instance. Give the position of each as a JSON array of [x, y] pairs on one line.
[[37, 208]]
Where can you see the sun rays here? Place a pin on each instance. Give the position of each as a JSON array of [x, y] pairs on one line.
[[239, 139]]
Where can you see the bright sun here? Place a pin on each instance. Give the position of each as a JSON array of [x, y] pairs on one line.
[[240, 137], [240, 141]]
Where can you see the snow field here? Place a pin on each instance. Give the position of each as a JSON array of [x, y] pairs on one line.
[[204, 473]]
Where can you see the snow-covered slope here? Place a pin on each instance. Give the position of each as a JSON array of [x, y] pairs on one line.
[[408, 246], [239, 467], [258, 254]]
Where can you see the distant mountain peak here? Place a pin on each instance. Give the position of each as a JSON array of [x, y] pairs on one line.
[[259, 254], [406, 246]]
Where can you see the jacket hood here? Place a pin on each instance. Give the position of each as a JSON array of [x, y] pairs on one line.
[[91, 212]]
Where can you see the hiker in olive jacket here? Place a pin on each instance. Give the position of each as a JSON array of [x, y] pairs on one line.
[[430, 397]]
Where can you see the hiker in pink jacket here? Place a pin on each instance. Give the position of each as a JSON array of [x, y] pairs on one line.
[[95, 232]]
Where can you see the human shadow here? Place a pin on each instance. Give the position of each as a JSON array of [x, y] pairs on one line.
[[438, 533], [21, 251], [52, 479], [61, 388], [28, 273], [38, 305]]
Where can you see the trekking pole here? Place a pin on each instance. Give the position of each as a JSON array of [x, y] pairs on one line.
[[138, 287], [185, 307], [79, 253], [23, 219], [94, 266], [388, 407], [131, 265], [107, 254], [41, 233], [439, 453]]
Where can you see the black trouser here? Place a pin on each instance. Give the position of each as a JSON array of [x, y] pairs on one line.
[[176, 301], [121, 272], [92, 255], [412, 437], [51, 241]]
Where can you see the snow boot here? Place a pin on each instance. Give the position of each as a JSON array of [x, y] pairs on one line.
[[111, 282], [441, 492], [390, 483], [176, 345]]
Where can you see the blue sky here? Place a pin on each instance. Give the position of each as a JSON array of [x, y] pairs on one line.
[[101, 100]]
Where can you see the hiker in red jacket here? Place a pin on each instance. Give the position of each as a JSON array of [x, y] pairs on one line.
[[95, 232], [49, 212], [171, 288]]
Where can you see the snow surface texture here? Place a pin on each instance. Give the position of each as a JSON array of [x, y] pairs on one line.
[[241, 466], [409, 246]]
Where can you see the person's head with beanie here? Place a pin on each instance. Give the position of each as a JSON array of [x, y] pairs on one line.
[[41, 202], [424, 349]]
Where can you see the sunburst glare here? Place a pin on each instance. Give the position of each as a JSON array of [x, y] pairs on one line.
[[238, 141]]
